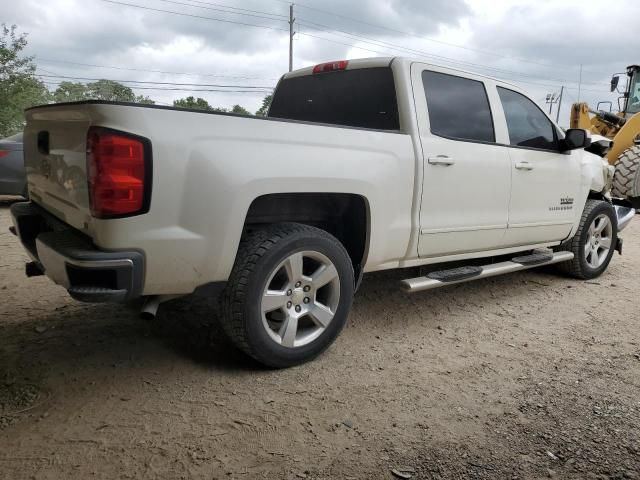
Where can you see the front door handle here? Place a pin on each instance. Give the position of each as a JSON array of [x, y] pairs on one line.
[[441, 160], [524, 166]]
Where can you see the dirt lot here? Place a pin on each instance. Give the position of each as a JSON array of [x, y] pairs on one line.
[[523, 376]]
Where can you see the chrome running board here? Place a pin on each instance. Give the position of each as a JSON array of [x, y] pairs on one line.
[[625, 215], [425, 283]]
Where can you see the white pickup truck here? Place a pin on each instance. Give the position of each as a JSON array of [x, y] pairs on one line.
[[361, 165]]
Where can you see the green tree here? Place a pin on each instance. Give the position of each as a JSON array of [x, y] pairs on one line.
[[114, 92], [201, 104], [193, 103], [266, 103], [19, 88], [239, 109], [70, 92], [145, 100], [100, 90]]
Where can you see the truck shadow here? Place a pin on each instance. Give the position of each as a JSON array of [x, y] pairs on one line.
[[75, 337], [59, 334]]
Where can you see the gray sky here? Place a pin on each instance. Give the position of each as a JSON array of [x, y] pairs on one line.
[[539, 44]]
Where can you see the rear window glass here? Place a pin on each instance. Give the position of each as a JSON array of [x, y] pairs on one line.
[[364, 97]]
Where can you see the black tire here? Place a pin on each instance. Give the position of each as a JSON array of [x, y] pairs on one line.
[[579, 267], [260, 253], [626, 179]]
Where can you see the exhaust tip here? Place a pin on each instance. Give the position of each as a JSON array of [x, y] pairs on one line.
[[149, 309], [151, 304]]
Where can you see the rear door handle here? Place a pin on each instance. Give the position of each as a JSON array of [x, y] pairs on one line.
[[441, 160], [524, 166]]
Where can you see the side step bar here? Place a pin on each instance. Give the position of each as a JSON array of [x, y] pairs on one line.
[[440, 279]]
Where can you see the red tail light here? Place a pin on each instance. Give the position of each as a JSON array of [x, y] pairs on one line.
[[331, 66], [119, 173], [4, 153]]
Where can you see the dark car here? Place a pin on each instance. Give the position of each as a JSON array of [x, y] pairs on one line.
[[13, 180]]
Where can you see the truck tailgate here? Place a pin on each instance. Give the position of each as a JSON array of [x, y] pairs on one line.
[[55, 143]]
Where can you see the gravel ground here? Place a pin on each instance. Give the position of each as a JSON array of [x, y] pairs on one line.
[[524, 376]]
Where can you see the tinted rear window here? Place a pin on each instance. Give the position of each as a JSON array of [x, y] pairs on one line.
[[364, 97], [458, 107]]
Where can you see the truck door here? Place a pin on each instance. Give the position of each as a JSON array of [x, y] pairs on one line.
[[466, 174], [546, 182]]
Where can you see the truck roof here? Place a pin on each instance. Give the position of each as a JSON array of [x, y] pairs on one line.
[[373, 62]]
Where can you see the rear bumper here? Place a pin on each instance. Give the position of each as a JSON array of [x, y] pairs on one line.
[[70, 259]]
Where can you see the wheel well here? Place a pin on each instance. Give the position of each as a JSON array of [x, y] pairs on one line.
[[345, 216], [596, 196]]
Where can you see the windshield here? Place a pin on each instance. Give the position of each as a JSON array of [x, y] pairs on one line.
[[364, 98], [633, 106]]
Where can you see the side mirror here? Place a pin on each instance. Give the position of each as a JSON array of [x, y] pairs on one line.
[[615, 80], [575, 138]]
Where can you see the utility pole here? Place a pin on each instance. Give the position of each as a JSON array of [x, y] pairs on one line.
[[559, 104], [580, 83], [551, 99], [291, 34]]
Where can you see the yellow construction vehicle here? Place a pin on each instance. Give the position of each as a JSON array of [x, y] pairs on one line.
[[623, 128]]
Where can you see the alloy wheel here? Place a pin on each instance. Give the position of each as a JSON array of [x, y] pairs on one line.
[[300, 298]]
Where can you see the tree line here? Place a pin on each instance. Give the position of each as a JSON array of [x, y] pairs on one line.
[[20, 88]]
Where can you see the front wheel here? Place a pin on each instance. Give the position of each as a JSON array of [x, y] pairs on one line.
[[288, 295], [594, 242]]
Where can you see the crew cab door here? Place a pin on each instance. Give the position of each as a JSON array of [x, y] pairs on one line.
[[466, 174], [545, 181]]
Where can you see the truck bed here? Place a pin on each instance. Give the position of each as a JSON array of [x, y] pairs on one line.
[[207, 169]]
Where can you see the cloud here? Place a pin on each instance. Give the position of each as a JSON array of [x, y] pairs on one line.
[[557, 39], [554, 38]]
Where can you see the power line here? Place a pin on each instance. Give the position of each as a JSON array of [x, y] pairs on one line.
[[248, 87], [50, 60], [238, 8], [225, 11], [422, 53], [430, 39], [195, 16], [421, 37], [451, 60], [135, 87], [557, 85]]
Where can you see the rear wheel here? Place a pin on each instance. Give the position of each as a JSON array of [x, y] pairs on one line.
[[594, 242], [626, 179], [288, 295]]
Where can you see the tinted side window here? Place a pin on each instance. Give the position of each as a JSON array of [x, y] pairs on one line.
[[527, 125], [458, 107]]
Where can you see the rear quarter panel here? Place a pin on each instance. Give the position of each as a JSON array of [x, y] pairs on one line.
[[207, 170]]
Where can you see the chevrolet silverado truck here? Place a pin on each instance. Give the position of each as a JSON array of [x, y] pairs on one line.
[[360, 166]]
